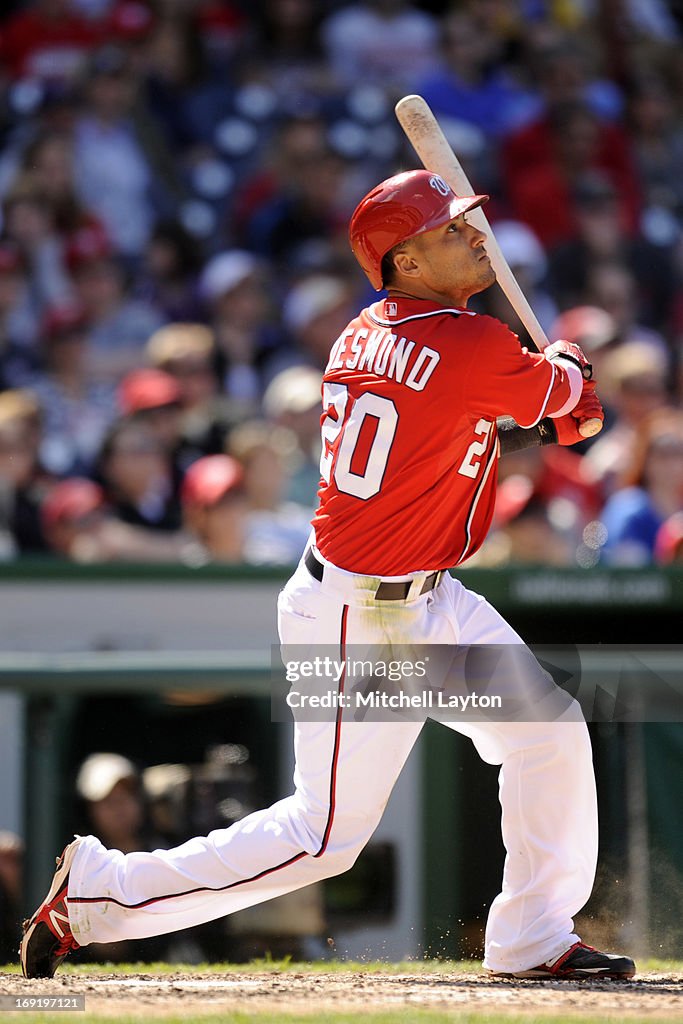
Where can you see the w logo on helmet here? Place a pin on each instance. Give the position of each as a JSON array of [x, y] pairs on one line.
[[439, 185]]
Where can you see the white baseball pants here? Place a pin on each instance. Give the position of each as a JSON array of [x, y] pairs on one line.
[[344, 774]]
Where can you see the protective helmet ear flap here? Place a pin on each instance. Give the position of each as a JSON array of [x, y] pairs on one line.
[[405, 205]]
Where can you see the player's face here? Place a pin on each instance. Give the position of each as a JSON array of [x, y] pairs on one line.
[[448, 264]]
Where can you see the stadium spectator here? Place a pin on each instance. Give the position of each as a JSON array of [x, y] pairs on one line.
[[600, 238], [594, 330], [23, 482], [633, 379], [187, 351], [30, 223], [528, 262], [276, 530], [136, 471], [301, 226], [235, 287], [297, 145], [651, 492], [167, 279], [547, 489], [11, 863], [564, 68], [470, 83], [286, 48], [19, 321], [47, 40], [669, 541], [215, 509], [111, 806], [522, 532], [119, 324], [77, 410], [546, 162], [292, 400], [78, 525], [614, 288], [48, 163], [657, 140], [71, 515], [316, 309], [114, 170], [382, 41], [110, 786], [152, 396]]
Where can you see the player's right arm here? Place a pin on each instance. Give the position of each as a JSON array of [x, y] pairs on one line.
[[503, 379]]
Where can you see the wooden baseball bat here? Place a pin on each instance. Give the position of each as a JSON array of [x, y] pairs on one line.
[[432, 147]]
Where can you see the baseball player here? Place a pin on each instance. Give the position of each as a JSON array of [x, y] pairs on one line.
[[411, 397]]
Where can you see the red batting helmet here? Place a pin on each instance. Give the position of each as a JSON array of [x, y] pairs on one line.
[[407, 204]]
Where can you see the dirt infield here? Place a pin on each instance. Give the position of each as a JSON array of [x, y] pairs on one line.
[[652, 996]]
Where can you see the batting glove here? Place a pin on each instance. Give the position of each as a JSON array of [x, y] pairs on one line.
[[569, 352], [588, 407]]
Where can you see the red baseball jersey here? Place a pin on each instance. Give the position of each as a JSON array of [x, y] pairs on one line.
[[411, 394]]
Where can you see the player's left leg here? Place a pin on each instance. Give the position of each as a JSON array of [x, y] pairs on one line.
[[344, 773], [549, 810]]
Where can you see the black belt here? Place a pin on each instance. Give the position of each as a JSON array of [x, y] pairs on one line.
[[386, 591]]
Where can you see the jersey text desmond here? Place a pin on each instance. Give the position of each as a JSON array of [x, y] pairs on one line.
[[383, 353]]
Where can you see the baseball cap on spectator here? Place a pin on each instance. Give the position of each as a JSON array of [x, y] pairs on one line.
[[512, 497], [87, 245], [587, 326], [130, 21], [669, 540], [147, 388], [313, 298], [225, 272], [71, 500], [10, 842], [99, 773], [521, 247], [178, 341], [210, 479], [296, 389], [20, 404], [61, 321]]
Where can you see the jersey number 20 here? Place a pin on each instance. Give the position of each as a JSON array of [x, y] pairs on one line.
[[357, 470], [471, 464]]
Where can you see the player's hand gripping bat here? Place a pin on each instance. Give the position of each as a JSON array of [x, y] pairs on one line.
[[433, 149]]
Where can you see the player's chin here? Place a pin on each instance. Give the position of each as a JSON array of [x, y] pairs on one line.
[[486, 276], [488, 272]]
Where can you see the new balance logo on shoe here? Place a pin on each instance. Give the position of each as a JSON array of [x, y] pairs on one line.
[[47, 935], [55, 917]]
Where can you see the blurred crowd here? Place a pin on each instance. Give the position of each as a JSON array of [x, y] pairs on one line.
[[176, 179]]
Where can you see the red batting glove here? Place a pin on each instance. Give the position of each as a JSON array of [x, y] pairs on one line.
[[575, 354], [588, 407]]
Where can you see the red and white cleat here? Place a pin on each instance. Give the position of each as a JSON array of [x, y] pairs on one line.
[[47, 935]]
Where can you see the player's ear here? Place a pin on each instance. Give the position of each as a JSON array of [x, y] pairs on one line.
[[406, 263]]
